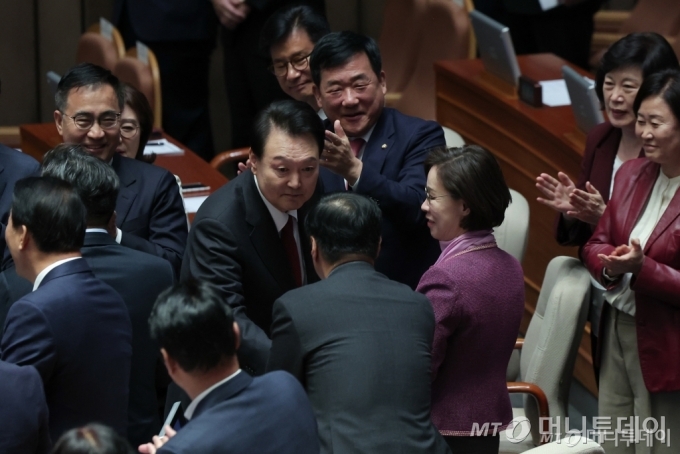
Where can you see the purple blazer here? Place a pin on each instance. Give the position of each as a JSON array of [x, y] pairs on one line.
[[478, 302]]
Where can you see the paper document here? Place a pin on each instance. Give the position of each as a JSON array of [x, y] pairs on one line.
[[555, 93], [162, 146], [192, 204]]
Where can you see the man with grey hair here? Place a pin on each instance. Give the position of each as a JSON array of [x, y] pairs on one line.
[[137, 276]]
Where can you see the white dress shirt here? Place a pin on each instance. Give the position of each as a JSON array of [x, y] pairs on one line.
[[47, 269], [194, 403]]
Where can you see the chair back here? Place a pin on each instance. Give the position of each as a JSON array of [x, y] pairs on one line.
[[399, 40], [553, 337], [94, 48], [513, 234], [570, 445], [452, 138], [144, 77], [445, 37]]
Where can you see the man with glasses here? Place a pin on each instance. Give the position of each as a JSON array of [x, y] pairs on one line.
[[149, 211], [288, 37]]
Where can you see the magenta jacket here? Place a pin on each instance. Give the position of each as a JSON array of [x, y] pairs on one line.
[[478, 302]]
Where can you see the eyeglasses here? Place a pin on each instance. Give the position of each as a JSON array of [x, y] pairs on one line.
[[429, 197], [280, 69], [85, 122], [128, 130]]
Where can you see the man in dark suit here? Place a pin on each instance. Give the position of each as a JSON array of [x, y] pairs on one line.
[[149, 211], [375, 151], [23, 411], [138, 277], [73, 328], [247, 239], [359, 342], [230, 411]]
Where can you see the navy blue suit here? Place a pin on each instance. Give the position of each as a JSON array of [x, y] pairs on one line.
[[14, 165], [23, 411], [393, 174], [139, 278], [267, 414], [75, 330], [149, 210]]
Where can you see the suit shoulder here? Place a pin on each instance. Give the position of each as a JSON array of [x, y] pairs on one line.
[[416, 123], [145, 263], [18, 161], [278, 383], [128, 166], [224, 205]]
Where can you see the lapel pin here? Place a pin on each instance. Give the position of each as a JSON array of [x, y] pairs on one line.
[[384, 146]]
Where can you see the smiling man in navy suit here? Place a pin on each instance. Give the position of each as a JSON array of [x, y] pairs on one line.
[[73, 328], [149, 210], [375, 151]]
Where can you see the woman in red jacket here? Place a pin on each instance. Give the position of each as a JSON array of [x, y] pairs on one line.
[[635, 253]]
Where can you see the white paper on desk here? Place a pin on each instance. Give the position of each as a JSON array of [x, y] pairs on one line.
[[548, 4], [555, 93], [192, 204], [162, 147]]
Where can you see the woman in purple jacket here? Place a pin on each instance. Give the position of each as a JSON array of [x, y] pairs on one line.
[[477, 293]]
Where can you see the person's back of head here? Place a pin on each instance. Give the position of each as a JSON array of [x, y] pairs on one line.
[[195, 331], [95, 181], [50, 210], [92, 439], [336, 49], [344, 227], [283, 22]]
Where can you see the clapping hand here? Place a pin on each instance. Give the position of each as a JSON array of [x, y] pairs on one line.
[[624, 259], [556, 191], [588, 205], [338, 157], [157, 442], [231, 12]]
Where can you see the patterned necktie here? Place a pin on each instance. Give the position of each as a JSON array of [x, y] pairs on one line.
[[289, 244]]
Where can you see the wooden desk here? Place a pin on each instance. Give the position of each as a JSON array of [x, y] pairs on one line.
[[38, 139], [526, 141]]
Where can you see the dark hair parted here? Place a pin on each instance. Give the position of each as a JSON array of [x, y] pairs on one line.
[[140, 105], [95, 181], [194, 326], [52, 212], [87, 75], [648, 51], [472, 174], [295, 118], [285, 21], [92, 439], [665, 84], [336, 49], [344, 224]]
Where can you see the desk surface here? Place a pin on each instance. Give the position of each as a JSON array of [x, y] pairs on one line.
[[38, 139], [526, 141]]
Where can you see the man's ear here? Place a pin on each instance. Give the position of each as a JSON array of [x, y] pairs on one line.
[[382, 81], [317, 94], [252, 157], [315, 248], [170, 364], [237, 336], [111, 227], [379, 247], [58, 117]]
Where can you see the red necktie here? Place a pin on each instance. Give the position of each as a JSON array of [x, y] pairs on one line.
[[355, 145], [290, 246]]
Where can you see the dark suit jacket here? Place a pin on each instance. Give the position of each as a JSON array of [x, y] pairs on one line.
[[234, 245], [23, 411], [14, 165], [360, 344], [149, 210], [12, 288], [657, 285], [139, 278], [393, 174], [267, 414], [75, 330]]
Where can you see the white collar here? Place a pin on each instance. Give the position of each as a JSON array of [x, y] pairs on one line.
[[321, 114], [96, 230], [280, 218], [194, 403], [43, 273], [366, 136]]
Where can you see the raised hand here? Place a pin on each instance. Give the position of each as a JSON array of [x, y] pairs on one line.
[[556, 191], [624, 259], [337, 155], [231, 12], [588, 205]]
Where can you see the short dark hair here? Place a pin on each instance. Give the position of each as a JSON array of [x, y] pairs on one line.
[[92, 439], [666, 84], [284, 21], [344, 224], [472, 174], [648, 51], [336, 49], [87, 75], [295, 118], [95, 181], [52, 212], [140, 105], [194, 326]]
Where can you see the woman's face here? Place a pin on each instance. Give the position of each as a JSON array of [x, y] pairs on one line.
[[619, 90], [129, 126], [443, 212], [660, 133]]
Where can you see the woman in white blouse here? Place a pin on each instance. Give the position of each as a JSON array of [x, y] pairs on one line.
[[635, 253]]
